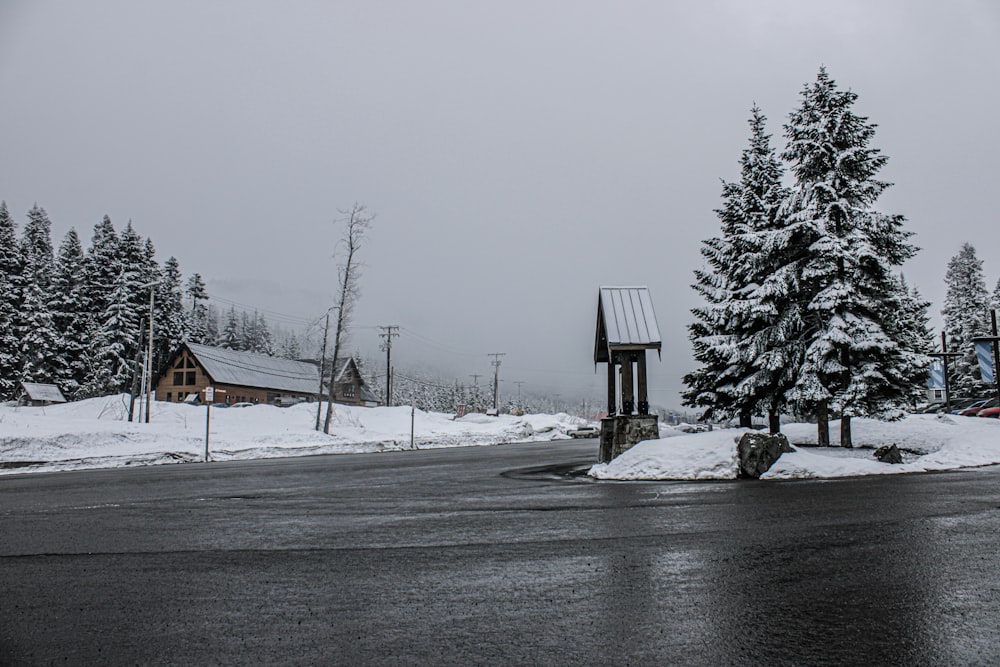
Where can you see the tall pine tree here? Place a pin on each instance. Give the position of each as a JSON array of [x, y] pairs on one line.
[[39, 341], [965, 314], [198, 316], [110, 368], [69, 313], [171, 323], [851, 362], [10, 303], [742, 335]]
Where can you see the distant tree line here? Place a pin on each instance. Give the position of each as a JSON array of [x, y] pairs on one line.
[[428, 390], [806, 311], [79, 318]]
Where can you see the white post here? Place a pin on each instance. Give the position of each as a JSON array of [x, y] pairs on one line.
[[209, 397], [413, 412]]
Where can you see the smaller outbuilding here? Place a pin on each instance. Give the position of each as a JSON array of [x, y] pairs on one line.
[[34, 394]]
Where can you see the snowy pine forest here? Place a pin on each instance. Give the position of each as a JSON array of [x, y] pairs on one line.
[[806, 311], [79, 318]]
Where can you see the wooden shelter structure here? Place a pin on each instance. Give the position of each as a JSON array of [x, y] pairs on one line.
[[626, 329]]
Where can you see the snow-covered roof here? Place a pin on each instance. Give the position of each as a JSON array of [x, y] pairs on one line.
[[43, 392], [246, 369], [625, 319]]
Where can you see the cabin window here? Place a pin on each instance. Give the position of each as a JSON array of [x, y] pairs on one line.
[[178, 378], [190, 364], [180, 363], [189, 377], [348, 389]]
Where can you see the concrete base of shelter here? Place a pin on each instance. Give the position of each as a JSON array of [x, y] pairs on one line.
[[621, 432]]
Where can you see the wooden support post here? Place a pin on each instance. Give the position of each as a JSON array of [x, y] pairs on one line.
[[628, 391], [612, 398], [641, 373]]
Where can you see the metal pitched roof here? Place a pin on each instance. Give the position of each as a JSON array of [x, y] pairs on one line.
[[626, 319], [246, 369], [43, 392]]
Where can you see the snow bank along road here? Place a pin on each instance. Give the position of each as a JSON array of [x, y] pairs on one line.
[[454, 557]]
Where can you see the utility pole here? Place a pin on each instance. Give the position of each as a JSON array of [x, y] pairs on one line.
[[389, 332], [518, 383], [496, 378]]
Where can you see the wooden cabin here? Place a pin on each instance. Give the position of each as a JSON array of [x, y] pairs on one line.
[[245, 377]]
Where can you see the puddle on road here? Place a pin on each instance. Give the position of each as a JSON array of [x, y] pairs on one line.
[[563, 472]]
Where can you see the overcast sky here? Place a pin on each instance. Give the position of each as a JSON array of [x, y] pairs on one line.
[[518, 155]]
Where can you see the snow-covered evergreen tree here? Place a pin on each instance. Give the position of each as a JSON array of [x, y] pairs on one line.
[[231, 337], [965, 313], [101, 268], [743, 335], [909, 325], [110, 368], [40, 344], [198, 318], [69, 313], [264, 341], [171, 322], [10, 303], [139, 270], [851, 363], [290, 348], [36, 249]]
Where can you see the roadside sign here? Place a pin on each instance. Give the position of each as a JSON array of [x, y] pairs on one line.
[[209, 394]]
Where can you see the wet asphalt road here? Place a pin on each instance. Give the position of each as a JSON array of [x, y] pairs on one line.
[[463, 557]]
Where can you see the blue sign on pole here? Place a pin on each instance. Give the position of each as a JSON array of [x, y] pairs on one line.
[[984, 352], [935, 380]]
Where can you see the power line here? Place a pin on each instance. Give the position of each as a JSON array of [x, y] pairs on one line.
[[438, 346], [293, 319], [424, 383], [496, 377]]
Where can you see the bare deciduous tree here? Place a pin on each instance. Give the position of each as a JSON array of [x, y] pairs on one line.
[[356, 223]]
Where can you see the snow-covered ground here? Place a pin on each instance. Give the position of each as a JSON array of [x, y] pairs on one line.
[[929, 442], [95, 433]]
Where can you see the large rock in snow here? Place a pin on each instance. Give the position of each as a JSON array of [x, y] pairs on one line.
[[889, 454], [759, 451]]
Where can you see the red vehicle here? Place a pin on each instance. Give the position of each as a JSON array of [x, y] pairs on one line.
[[976, 409], [990, 412]]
